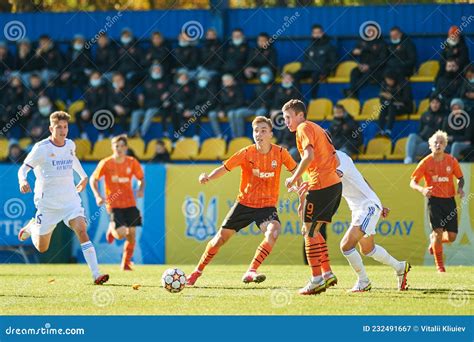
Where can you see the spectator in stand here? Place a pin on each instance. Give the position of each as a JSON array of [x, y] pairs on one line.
[[342, 130], [401, 53], [211, 54], [262, 56], [264, 93], [370, 56], [78, 67], [15, 154], [48, 59], [466, 92], [159, 53], [236, 55], [13, 101], [205, 98], [162, 155], [186, 54], [455, 47], [24, 60], [155, 92], [7, 62], [395, 99], [320, 59], [430, 122], [458, 127], [130, 57], [95, 98], [182, 94], [121, 101], [38, 126], [35, 90], [448, 85], [287, 90], [231, 99], [287, 140], [106, 57]]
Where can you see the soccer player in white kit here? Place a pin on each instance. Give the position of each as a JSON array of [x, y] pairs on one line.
[[366, 210], [56, 196]]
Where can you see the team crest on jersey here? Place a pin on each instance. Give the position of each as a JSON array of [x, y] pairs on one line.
[[129, 170], [52, 155], [72, 153], [274, 164], [200, 221], [448, 168]]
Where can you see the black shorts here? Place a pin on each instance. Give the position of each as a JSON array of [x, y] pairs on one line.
[[443, 213], [240, 216], [126, 217], [322, 204]]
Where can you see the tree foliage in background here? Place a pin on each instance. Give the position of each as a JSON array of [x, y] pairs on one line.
[[17, 6]]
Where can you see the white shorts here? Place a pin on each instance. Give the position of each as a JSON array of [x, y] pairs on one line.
[[47, 219], [366, 218]]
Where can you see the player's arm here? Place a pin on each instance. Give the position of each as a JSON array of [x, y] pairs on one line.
[[425, 191], [94, 183], [460, 187], [76, 166], [306, 160], [33, 159], [216, 173], [22, 178], [141, 187]]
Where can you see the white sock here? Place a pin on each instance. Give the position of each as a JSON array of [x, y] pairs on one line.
[[327, 275], [316, 280], [91, 258], [381, 255], [355, 260]]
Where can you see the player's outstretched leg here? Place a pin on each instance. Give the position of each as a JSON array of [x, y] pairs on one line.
[[222, 236], [271, 230], [313, 254], [347, 245], [78, 224], [25, 232], [378, 253], [328, 275]]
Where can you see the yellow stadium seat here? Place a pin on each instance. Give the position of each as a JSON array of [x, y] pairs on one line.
[[83, 148], [185, 149], [151, 148], [212, 149], [138, 147], [76, 107], [3, 149], [343, 72], [427, 72], [24, 143], [377, 149], [351, 105], [101, 150], [237, 144], [60, 104], [370, 109], [422, 107], [319, 109], [292, 68], [399, 150]]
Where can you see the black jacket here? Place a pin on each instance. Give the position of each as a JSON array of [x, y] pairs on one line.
[[430, 122], [7, 63], [212, 55], [153, 91], [51, 59], [459, 52], [182, 96], [95, 98], [402, 56], [161, 54], [341, 131], [206, 98], [320, 55], [27, 63], [448, 86], [106, 58], [401, 92], [259, 58], [235, 58], [466, 87], [373, 53], [283, 95], [130, 58], [231, 98], [78, 61], [124, 98], [186, 57], [455, 132], [263, 97]]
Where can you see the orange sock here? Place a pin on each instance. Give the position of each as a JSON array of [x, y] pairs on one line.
[[262, 252], [313, 255], [438, 254], [323, 249], [128, 249], [207, 256], [445, 238]]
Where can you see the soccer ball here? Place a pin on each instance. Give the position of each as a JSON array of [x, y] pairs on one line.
[[173, 280]]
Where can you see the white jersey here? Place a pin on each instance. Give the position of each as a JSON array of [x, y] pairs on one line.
[[54, 168], [355, 189]]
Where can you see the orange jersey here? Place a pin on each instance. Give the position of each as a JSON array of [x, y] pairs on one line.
[[322, 170], [438, 174], [118, 180], [260, 175]]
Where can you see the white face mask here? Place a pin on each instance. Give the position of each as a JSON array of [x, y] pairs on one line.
[[156, 75], [237, 41], [45, 111], [126, 40], [451, 42], [395, 41], [78, 46]]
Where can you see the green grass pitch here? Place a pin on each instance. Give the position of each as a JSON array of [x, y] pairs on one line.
[[67, 289]]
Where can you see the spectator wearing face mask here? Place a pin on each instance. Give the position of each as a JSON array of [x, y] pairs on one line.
[[78, 66], [287, 90], [95, 98], [130, 57], [447, 86], [12, 102], [262, 56], [342, 130], [186, 54], [182, 99], [401, 54], [39, 123], [458, 127], [159, 53], [212, 53], [230, 100], [106, 57], [466, 92], [236, 54], [48, 59], [24, 60], [455, 47], [15, 154], [7, 62], [264, 93], [151, 102], [430, 122], [205, 98], [320, 59]]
